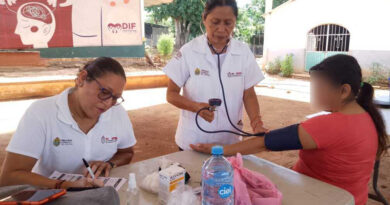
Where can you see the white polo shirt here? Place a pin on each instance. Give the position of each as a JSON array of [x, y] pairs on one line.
[[195, 69], [48, 133]]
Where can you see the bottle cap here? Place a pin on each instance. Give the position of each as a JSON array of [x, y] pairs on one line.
[[217, 150], [132, 182]]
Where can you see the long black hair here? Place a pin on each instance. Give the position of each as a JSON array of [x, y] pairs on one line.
[[101, 66], [344, 69], [211, 4]]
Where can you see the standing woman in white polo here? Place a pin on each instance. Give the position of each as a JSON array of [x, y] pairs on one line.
[[86, 121], [195, 69]]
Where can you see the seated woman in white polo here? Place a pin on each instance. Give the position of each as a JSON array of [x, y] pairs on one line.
[[86, 121]]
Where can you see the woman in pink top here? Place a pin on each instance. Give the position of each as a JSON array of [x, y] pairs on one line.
[[339, 148]]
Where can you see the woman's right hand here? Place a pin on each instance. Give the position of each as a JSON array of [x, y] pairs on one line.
[[84, 182], [205, 114]]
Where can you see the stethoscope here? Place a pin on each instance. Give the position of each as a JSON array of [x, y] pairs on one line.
[[215, 102]]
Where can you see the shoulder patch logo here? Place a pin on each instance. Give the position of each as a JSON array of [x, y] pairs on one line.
[[178, 55]]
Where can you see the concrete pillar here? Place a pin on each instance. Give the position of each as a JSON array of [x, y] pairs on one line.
[[268, 5]]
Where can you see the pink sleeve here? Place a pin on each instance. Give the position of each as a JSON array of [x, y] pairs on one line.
[[323, 130]]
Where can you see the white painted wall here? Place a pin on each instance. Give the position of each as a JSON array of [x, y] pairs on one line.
[[287, 26]]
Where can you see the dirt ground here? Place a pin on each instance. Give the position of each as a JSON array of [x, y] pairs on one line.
[[155, 129]]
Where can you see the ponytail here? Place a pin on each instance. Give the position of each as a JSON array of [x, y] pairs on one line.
[[365, 99]]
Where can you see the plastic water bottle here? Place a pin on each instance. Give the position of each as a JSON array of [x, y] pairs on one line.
[[132, 191], [217, 179]]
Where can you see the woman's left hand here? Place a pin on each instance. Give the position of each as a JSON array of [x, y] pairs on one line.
[[203, 148], [257, 125], [98, 167]]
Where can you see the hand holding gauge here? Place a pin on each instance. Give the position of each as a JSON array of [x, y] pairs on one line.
[[215, 102]]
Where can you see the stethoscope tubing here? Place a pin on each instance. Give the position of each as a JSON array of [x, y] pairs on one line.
[[240, 132]]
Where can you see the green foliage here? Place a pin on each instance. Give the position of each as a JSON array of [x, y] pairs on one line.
[[186, 16], [277, 3], [378, 74], [188, 10], [256, 11], [250, 21], [274, 67], [165, 45], [168, 22], [287, 66], [244, 27]]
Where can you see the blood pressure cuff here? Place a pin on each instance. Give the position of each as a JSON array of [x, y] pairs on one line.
[[283, 139]]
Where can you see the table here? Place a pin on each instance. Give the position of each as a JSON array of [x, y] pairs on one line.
[[383, 101], [296, 188]]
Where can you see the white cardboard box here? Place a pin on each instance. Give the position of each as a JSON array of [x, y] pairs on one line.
[[171, 179]]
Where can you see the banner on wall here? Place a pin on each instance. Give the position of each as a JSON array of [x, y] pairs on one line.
[[69, 23]]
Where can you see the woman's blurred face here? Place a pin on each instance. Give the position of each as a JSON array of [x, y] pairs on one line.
[[88, 92], [323, 94], [219, 24]]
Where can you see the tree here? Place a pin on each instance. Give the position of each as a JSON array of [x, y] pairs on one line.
[[250, 21], [256, 11], [277, 3], [244, 27], [186, 16]]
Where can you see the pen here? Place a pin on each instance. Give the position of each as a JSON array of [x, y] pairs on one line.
[[88, 168]]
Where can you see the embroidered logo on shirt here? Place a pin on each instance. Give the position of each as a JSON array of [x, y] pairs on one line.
[[107, 140], [57, 142], [234, 74], [203, 72]]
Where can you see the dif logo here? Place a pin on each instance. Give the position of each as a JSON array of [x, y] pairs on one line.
[[122, 27], [225, 191]]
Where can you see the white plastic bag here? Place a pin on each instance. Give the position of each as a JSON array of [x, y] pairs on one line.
[[185, 195], [151, 182]]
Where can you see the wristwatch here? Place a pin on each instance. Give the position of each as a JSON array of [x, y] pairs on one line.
[[112, 164], [59, 184]]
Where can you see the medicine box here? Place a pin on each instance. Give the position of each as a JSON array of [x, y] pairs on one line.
[[171, 179]]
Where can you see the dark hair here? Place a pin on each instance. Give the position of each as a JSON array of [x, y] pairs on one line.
[[101, 66], [344, 69], [211, 4]]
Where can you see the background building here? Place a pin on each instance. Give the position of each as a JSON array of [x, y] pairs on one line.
[[314, 29]]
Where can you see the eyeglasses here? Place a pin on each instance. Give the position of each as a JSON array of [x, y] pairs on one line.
[[105, 94]]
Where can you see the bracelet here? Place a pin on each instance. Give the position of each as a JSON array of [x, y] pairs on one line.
[[257, 120], [59, 184], [112, 164]]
